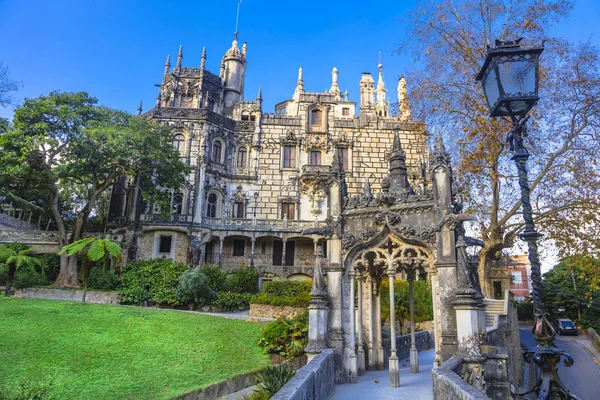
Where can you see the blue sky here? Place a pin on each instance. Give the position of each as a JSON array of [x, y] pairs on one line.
[[116, 49]]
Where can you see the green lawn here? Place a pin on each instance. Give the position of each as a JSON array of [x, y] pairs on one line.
[[109, 352]]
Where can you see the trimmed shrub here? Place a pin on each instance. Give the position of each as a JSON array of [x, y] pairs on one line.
[[285, 293], [243, 280], [229, 301], [103, 280], [216, 276], [152, 281], [194, 289], [286, 337]]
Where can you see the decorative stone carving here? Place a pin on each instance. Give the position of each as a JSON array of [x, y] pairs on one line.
[[367, 234], [428, 235], [348, 241], [388, 217]]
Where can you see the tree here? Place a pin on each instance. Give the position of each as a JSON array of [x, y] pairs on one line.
[[7, 85], [16, 255], [95, 250], [448, 39], [74, 150], [423, 303]]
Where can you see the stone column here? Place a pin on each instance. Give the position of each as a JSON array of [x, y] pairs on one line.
[[414, 353], [467, 321], [353, 359], [394, 364], [335, 272], [221, 240], [252, 254], [371, 315], [378, 325], [359, 328], [318, 311], [283, 252]]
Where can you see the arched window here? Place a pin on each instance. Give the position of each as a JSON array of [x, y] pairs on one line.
[[239, 210], [211, 205], [316, 117], [241, 157], [179, 142], [216, 151], [177, 203]]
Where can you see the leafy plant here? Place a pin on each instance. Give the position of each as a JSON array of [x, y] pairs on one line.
[[229, 301], [194, 288], [216, 276], [103, 280], [270, 381], [285, 293], [286, 337], [243, 280], [16, 256], [152, 281], [423, 302]]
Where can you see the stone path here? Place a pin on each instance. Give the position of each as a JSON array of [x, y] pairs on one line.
[[412, 386]]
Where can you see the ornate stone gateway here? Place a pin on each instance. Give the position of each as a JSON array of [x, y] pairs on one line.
[[401, 231]]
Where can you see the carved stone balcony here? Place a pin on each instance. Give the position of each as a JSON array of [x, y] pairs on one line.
[[173, 219], [315, 171]]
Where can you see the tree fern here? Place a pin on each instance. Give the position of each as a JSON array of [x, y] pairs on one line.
[[76, 246]]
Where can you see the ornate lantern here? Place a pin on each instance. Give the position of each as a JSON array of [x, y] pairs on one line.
[[510, 77]]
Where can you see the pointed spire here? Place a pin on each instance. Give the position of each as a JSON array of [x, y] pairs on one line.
[[403, 104], [203, 59], [367, 188], [167, 65], [159, 98], [398, 177], [139, 110], [335, 89], [299, 84], [179, 57], [259, 95], [382, 106], [439, 150]]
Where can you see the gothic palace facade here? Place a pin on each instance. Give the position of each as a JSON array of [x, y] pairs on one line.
[[259, 181]]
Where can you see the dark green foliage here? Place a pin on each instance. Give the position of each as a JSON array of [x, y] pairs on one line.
[[285, 293], [194, 289], [103, 280], [216, 276], [270, 381], [286, 337], [153, 281], [229, 301], [50, 263], [16, 256], [422, 298], [243, 280], [524, 310], [30, 390]]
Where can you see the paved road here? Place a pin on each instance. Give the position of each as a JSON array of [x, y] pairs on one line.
[[583, 378]]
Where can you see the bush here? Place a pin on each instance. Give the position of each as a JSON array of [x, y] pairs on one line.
[[270, 381], [30, 390], [50, 266], [194, 289], [229, 301], [103, 280], [24, 277], [216, 276], [243, 280], [524, 310], [285, 293], [286, 337], [152, 281]]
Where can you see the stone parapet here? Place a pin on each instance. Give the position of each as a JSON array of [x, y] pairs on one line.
[[267, 311], [68, 295], [423, 340], [447, 384], [314, 381]]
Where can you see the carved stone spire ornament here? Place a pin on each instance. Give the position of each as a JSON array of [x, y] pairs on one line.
[[439, 150], [139, 110], [179, 57], [335, 89], [367, 188], [318, 310], [403, 104], [299, 84], [398, 178], [382, 105], [203, 59]]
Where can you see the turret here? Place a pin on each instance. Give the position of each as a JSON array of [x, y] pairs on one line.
[[398, 176], [381, 108], [203, 59], [335, 89], [367, 93], [233, 69], [403, 104], [299, 85], [259, 98], [179, 57]]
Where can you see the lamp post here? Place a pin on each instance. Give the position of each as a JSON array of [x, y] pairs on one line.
[[255, 203], [510, 80]]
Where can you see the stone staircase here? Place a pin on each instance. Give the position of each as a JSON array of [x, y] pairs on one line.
[[493, 309]]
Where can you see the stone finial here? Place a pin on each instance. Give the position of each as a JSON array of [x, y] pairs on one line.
[[346, 95], [382, 104], [439, 150], [398, 176], [403, 104], [367, 188], [244, 49], [335, 89], [167, 65], [158, 98], [318, 286], [259, 95], [139, 110], [203, 59], [299, 85], [179, 57]]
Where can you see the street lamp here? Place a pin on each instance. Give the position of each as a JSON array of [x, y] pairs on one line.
[[510, 80]]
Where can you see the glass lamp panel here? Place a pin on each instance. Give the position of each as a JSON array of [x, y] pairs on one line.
[[490, 86], [517, 77]]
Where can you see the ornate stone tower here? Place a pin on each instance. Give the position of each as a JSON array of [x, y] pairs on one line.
[[367, 93], [233, 70], [382, 107]]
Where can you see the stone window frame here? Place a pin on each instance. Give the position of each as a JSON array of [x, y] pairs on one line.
[[288, 200], [223, 150], [218, 201], [322, 127], [156, 248], [235, 251], [349, 156], [294, 152], [315, 157], [237, 152], [181, 146], [346, 112]]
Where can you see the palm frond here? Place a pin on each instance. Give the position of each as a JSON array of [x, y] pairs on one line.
[[5, 253], [96, 251], [76, 246]]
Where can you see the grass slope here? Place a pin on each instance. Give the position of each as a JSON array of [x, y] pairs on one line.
[[109, 352]]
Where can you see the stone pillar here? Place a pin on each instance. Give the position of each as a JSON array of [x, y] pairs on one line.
[[371, 315], [394, 364], [414, 353], [335, 272], [378, 326], [283, 252], [318, 311], [353, 359], [221, 240], [360, 350], [467, 322], [252, 254]]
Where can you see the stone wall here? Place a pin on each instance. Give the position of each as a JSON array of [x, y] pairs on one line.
[[69, 295], [267, 311], [423, 339], [220, 389], [447, 384], [314, 381]]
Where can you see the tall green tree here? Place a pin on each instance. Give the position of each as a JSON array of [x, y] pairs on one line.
[[16, 256], [73, 150], [448, 40]]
